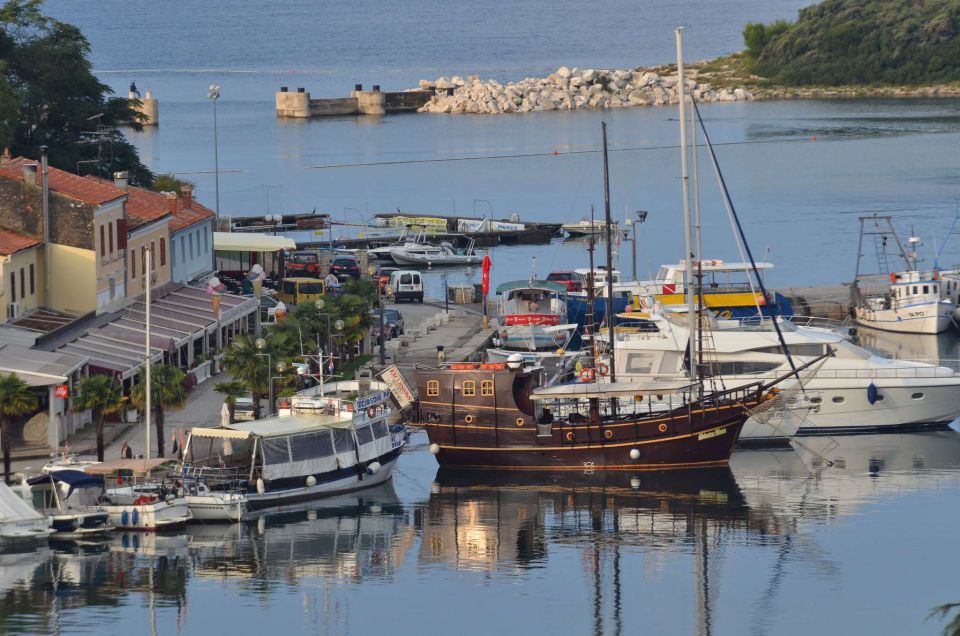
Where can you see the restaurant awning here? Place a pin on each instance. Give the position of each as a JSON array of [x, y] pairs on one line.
[[39, 368], [249, 242]]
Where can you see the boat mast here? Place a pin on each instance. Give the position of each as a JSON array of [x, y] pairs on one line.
[[146, 362], [611, 319], [591, 296], [687, 238]]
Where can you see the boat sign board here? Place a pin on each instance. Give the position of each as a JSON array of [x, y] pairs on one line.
[[372, 400], [398, 386]]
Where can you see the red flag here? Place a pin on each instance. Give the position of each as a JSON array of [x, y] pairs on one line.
[[486, 274]]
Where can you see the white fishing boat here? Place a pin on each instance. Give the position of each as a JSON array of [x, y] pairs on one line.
[[532, 316], [70, 499], [19, 521], [428, 255], [852, 391], [326, 446], [912, 300]]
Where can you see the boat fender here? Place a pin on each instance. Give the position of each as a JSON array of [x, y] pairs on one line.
[[872, 393], [634, 453], [434, 448], [134, 518], [893, 277], [373, 468], [124, 518], [603, 369], [261, 487], [311, 481]]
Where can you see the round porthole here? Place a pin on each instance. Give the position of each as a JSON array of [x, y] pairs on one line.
[[839, 399], [519, 421], [468, 419], [917, 396], [608, 433], [662, 428]]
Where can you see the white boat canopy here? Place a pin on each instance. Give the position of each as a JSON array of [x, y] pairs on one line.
[[136, 466], [587, 390], [275, 426], [248, 242]]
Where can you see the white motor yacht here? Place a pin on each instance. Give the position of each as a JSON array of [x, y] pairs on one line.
[[431, 255], [852, 391]]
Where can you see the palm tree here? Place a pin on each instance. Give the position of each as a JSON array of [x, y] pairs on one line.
[[166, 392], [16, 400], [244, 362], [103, 395], [231, 391]]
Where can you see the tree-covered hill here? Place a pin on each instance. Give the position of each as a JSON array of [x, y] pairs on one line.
[[842, 42]]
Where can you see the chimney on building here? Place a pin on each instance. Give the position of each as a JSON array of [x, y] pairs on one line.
[[171, 202], [187, 196], [5, 157], [30, 173], [120, 180]]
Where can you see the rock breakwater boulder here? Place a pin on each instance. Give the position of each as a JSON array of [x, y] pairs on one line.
[[569, 89]]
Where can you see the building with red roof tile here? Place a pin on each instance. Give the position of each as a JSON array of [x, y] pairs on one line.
[[19, 271]]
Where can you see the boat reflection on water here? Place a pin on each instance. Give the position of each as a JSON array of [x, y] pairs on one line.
[[827, 477], [941, 348]]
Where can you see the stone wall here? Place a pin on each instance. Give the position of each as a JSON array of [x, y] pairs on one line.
[[334, 106], [407, 101], [21, 210], [568, 89]]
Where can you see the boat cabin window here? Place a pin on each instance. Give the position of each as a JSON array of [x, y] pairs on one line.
[[809, 349], [311, 446], [915, 289], [926, 289], [469, 388], [364, 434], [486, 388], [275, 450], [839, 399], [640, 362], [380, 429], [433, 388], [343, 441], [742, 367]]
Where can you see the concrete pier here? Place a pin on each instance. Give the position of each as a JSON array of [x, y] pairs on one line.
[[149, 107], [299, 104], [824, 301]]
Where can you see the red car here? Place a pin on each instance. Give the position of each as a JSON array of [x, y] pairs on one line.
[[383, 277], [568, 279]]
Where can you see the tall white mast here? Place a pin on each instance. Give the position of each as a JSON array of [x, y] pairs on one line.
[[685, 179], [146, 362]]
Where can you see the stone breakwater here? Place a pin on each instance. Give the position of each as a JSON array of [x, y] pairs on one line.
[[568, 89]]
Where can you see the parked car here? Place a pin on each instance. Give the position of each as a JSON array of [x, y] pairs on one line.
[[406, 285], [297, 290], [302, 263], [344, 267], [392, 322], [383, 277], [565, 278]]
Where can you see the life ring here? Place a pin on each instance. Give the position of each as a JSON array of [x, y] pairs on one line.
[[608, 433], [468, 419], [587, 375], [603, 369], [662, 428], [570, 436], [371, 412]]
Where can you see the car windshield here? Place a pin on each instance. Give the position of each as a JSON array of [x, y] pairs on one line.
[[344, 262], [311, 288], [391, 314]]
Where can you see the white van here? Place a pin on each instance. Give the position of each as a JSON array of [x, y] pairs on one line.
[[406, 285]]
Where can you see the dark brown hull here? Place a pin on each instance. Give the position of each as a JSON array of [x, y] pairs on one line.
[[705, 447]]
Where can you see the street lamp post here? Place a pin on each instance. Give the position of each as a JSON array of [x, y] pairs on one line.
[[641, 217], [281, 367], [381, 337], [261, 344], [213, 94]]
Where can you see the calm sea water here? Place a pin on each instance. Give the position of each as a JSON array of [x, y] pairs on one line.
[[848, 534]]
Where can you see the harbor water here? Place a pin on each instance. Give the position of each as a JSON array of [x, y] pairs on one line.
[[842, 535], [851, 535]]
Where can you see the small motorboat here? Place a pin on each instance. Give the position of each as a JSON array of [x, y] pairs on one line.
[[435, 255], [586, 227], [70, 499], [135, 501]]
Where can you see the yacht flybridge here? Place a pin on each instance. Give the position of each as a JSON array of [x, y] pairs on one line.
[[851, 391]]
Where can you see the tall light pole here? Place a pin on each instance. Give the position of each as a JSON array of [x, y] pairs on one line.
[[641, 217], [213, 93], [381, 338], [261, 344]]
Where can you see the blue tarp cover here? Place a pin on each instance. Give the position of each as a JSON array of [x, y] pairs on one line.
[[75, 478]]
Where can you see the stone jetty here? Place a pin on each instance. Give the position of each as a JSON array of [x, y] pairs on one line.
[[568, 89]]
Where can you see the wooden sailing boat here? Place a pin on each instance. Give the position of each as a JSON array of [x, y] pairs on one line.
[[501, 415]]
